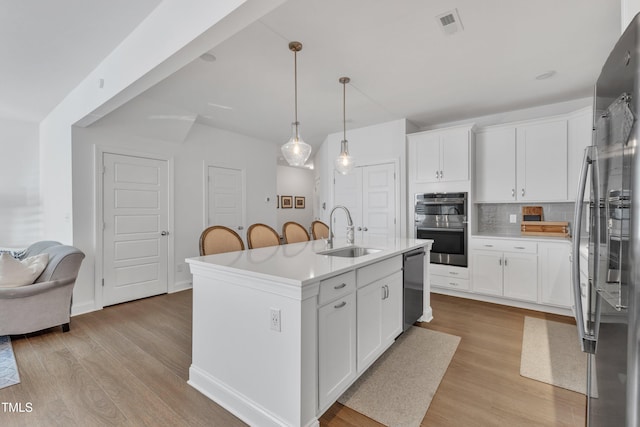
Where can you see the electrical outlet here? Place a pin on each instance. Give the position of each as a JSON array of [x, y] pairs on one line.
[[275, 319], [512, 218]]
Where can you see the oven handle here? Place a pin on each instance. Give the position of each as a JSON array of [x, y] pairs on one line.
[[441, 229]]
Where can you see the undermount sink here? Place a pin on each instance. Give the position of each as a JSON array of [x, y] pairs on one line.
[[350, 252]]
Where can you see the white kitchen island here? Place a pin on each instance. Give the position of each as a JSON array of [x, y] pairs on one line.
[[279, 333]]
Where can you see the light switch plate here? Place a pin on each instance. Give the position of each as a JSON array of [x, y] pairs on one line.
[[512, 218]]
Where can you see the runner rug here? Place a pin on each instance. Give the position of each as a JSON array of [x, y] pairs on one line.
[[551, 353], [397, 389]]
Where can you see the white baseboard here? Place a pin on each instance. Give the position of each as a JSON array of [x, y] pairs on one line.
[[427, 315], [87, 307], [234, 402], [181, 286]]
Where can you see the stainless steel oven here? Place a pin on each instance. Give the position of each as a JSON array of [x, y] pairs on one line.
[[443, 218]]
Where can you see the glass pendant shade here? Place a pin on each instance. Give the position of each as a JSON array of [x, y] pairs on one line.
[[344, 162], [296, 151]]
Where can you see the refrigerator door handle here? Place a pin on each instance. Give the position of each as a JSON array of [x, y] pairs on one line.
[[587, 342]]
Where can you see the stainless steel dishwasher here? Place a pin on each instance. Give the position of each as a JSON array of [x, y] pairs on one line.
[[413, 283]]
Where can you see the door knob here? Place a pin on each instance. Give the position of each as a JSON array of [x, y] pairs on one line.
[[240, 227], [164, 233], [365, 229], [359, 229]]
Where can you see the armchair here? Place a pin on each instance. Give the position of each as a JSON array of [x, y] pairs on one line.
[[46, 302]]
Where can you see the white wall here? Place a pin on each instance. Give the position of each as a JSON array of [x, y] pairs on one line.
[[20, 209], [203, 145], [175, 33], [369, 145], [294, 182]]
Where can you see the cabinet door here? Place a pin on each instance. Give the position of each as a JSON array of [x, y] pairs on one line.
[[521, 276], [541, 169], [496, 165], [487, 272], [454, 148], [426, 159], [369, 323], [580, 133], [378, 201], [336, 348], [392, 308], [555, 274]]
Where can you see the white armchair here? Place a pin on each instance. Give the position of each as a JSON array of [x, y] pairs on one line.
[[46, 302]]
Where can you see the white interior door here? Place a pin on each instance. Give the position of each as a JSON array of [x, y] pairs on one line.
[[225, 198], [135, 215], [347, 192], [369, 192], [378, 201]]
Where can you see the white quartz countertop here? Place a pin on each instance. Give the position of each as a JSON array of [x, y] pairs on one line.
[[521, 237], [301, 263]]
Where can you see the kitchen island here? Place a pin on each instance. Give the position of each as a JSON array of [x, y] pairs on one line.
[[279, 333]]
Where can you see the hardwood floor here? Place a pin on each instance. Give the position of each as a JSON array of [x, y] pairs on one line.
[[483, 386], [128, 365]]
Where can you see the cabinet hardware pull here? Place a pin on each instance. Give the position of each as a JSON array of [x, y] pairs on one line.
[[519, 247], [513, 192], [365, 229], [453, 284], [342, 304], [437, 175], [453, 273], [340, 286], [488, 246], [359, 229], [387, 288], [505, 262], [500, 261], [441, 174], [523, 192]]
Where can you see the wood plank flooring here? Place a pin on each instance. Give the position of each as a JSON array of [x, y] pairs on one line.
[[127, 365]]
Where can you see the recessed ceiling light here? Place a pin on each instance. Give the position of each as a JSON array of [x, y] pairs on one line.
[[208, 57], [546, 75]]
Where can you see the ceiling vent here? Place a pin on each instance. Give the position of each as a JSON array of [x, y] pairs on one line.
[[450, 22]]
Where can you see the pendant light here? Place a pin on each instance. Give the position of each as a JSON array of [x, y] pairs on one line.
[[344, 162], [296, 151]]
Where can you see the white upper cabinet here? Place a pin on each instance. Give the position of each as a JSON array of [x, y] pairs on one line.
[[440, 155], [526, 162], [541, 167], [496, 165], [580, 128]]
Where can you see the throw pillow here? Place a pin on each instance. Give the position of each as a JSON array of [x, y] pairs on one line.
[[14, 272]]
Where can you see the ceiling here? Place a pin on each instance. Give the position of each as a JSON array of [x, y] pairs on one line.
[[50, 46], [400, 61]]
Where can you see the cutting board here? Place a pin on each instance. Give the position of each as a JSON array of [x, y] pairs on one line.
[[545, 228]]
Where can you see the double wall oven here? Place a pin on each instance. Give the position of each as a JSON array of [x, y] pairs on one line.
[[443, 218]]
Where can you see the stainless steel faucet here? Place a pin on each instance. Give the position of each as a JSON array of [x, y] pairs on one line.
[[349, 226]]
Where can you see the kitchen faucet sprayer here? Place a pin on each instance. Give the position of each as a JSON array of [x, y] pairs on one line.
[[350, 237]]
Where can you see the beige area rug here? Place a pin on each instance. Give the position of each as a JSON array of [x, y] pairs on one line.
[[551, 354], [397, 389]]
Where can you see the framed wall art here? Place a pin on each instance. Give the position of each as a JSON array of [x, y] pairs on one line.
[[286, 202], [299, 200]]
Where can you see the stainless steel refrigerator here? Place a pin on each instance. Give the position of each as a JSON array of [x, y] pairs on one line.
[[610, 328]]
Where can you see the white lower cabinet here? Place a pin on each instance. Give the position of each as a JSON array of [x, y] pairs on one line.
[[555, 274], [356, 326], [505, 268], [336, 347], [522, 269], [379, 317]]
